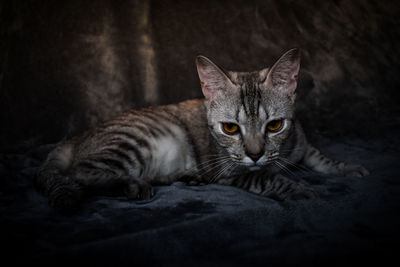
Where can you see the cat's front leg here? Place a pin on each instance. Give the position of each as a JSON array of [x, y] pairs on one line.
[[315, 160], [138, 190], [279, 187], [275, 186], [91, 177]]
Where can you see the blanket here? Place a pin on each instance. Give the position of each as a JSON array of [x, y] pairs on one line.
[[355, 220]]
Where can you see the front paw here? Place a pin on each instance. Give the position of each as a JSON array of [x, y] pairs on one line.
[[303, 192], [293, 192], [355, 170], [139, 191]]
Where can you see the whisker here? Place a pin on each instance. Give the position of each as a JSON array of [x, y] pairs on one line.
[[218, 175], [285, 169], [215, 156], [295, 165], [222, 171], [213, 178], [213, 164], [233, 169], [208, 164], [213, 167]]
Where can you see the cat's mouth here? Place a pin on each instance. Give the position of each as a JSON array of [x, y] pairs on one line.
[[254, 168], [251, 165], [258, 165]]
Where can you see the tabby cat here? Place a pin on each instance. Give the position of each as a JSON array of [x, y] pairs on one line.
[[242, 134]]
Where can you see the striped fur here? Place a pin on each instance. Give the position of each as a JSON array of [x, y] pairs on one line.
[[186, 141]]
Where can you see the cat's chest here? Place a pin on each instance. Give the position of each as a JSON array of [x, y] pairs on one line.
[[171, 156]]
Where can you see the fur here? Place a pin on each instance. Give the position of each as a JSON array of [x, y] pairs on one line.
[[188, 142]]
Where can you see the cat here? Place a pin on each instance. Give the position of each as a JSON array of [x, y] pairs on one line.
[[242, 134]]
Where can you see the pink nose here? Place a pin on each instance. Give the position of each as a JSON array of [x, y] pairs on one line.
[[255, 157]]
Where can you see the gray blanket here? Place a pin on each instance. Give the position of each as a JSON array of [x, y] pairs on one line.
[[356, 220]]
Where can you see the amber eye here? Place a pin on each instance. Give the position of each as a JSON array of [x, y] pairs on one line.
[[230, 128], [275, 125]]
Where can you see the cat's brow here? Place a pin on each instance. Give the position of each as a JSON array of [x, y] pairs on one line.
[[250, 98]]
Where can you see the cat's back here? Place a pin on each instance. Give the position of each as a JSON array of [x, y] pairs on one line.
[[151, 122], [170, 138]]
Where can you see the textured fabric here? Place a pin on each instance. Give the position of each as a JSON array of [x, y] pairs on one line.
[[66, 66], [355, 220]]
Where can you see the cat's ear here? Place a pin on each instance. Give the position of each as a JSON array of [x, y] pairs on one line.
[[283, 74], [213, 79]]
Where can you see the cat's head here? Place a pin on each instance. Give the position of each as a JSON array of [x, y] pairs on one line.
[[250, 114]]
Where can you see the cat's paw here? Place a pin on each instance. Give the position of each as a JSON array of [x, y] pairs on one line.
[[303, 192], [193, 180], [196, 183], [139, 191], [355, 170], [66, 199], [297, 192]]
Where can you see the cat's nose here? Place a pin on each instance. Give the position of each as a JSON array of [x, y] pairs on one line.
[[256, 156]]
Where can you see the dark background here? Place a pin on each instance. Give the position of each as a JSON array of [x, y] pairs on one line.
[[65, 66]]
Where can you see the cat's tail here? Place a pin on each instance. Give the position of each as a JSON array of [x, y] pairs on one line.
[[52, 180]]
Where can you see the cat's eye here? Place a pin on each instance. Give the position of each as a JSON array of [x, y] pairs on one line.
[[275, 125], [230, 128]]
